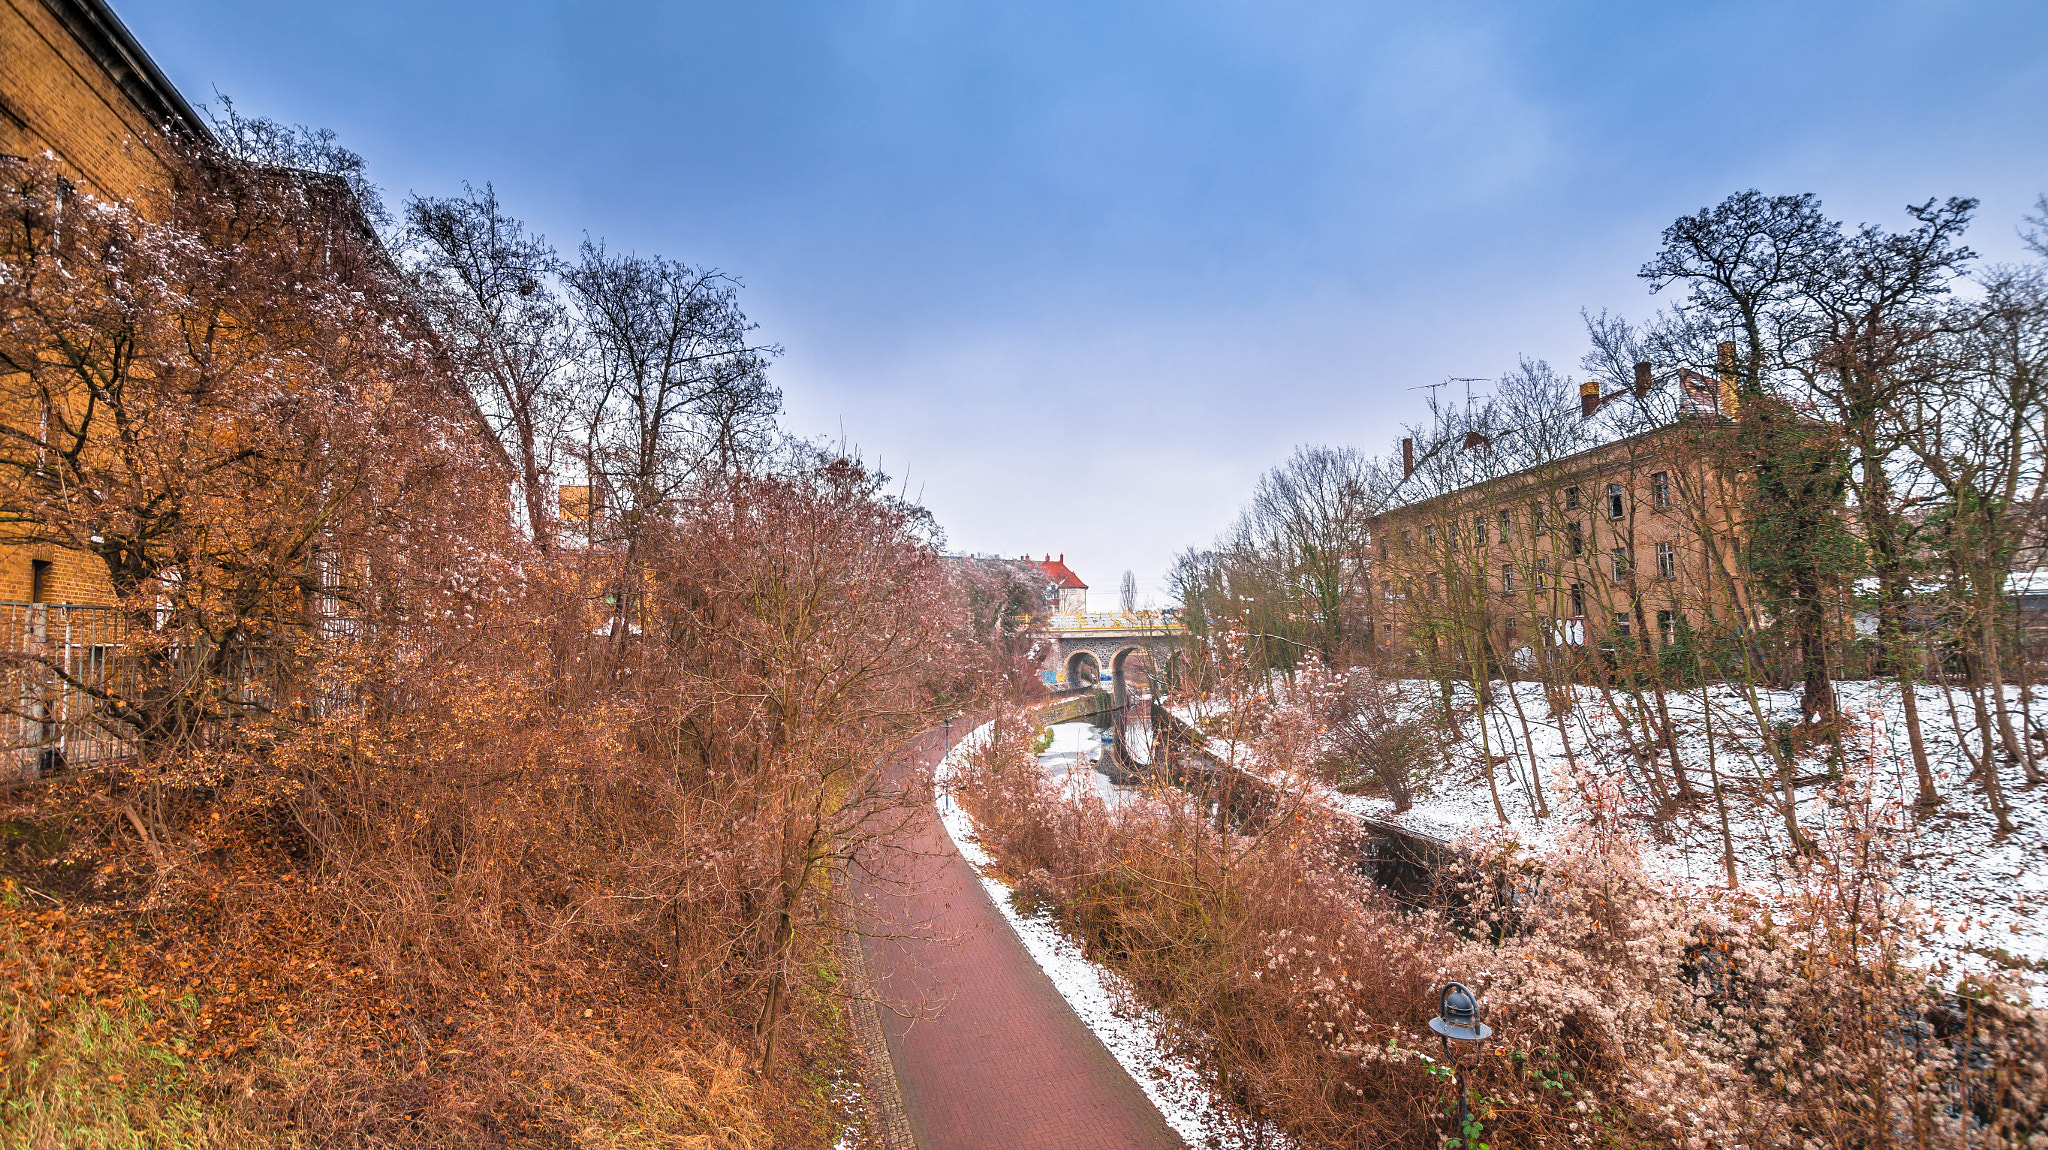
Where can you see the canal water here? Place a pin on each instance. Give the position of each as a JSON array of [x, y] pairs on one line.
[[1075, 759]]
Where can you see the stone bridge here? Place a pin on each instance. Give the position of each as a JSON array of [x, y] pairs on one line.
[[1089, 647]]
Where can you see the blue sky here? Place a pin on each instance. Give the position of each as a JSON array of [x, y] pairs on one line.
[[1079, 272]]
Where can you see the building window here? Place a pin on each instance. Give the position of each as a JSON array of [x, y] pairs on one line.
[[1571, 499], [1436, 586], [1621, 624], [1660, 490], [1407, 539], [1575, 538], [1507, 578], [1507, 520], [1387, 630], [1619, 558], [1578, 601], [1479, 529], [1536, 520], [1667, 561], [1667, 628], [38, 580], [1616, 505], [1429, 534], [1508, 629]]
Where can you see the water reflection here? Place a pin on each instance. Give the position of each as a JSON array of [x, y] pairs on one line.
[[1076, 757]]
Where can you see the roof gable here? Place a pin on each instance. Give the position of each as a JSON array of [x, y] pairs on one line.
[[1058, 573]]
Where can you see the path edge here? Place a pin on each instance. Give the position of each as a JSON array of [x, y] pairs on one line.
[[883, 1090]]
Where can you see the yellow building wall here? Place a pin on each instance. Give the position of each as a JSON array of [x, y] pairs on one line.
[[72, 577], [58, 101], [55, 98]]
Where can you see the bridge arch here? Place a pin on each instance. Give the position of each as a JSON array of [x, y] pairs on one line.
[[1122, 665], [1084, 669]]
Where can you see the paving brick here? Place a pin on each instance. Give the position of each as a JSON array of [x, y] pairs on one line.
[[990, 1054]]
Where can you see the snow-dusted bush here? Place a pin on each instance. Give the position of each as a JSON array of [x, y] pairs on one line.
[[1624, 1016]]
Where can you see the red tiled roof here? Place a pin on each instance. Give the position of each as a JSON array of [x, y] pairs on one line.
[[1056, 570]]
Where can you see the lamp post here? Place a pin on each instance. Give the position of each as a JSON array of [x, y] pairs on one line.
[[1457, 1020]]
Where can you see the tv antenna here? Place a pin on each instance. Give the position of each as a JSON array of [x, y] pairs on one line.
[[1431, 389], [1468, 381]]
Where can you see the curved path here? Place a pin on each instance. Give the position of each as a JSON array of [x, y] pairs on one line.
[[987, 1053]]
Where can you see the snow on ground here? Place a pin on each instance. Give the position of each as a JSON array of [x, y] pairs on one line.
[[1984, 896], [1135, 1035]]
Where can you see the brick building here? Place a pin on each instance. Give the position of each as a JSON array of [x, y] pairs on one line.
[[1630, 544], [76, 89]]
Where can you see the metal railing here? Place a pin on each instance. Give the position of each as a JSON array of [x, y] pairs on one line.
[[60, 661], [58, 654], [1068, 622]]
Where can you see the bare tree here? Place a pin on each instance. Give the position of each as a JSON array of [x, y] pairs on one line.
[[1746, 263], [1873, 304], [489, 288], [676, 394], [677, 391], [1976, 424]]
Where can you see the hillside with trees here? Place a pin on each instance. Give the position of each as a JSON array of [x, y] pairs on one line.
[[427, 806]]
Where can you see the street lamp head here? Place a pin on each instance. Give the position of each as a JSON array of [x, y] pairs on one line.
[[1458, 1015]]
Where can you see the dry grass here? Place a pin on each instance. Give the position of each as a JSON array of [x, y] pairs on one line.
[[238, 1005]]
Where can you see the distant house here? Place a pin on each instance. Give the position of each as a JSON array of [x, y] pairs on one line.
[[1064, 590], [2028, 591]]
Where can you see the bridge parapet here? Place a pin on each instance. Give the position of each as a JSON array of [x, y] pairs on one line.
[[1115, 623]]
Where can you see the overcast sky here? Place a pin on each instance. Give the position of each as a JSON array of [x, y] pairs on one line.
[[1079, 272]]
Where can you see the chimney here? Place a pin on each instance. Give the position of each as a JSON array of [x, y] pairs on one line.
[[1589, 399], [1407, 458], [1730, 394], [1643, 380]]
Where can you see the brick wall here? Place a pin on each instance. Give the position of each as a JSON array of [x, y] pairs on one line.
[[57, 99], [72, 576]]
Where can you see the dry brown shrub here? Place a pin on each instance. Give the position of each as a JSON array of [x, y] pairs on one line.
[[1625, 1016], [505, 844]]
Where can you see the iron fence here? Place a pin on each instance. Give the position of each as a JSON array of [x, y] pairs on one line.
[[59, 654], [59, 661]]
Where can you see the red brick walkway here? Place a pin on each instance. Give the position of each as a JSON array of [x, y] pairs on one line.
[[992, 1057]]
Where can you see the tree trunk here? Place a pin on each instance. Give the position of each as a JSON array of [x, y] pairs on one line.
[[1817, 696], [1923, 775], [1714, 776], [773, 1007], [1685, 791], [1892, 654], [1988, 768], [1994, 671], [1535, 770]]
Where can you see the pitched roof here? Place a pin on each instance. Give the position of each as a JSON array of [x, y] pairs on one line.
[[1057, 571], [102, 34]]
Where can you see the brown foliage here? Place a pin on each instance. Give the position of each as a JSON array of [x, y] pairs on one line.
[[439, 835], [1624, 1016]]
